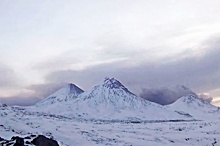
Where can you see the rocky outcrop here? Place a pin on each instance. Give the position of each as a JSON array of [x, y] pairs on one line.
[[19, 141], [31, 140], [44, 141]]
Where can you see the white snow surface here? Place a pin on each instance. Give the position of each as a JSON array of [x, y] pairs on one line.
[[109, 114], [16, 121]]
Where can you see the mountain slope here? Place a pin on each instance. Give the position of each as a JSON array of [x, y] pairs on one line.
[[111, 100], [195, 106], [112, 93], [64, 94]]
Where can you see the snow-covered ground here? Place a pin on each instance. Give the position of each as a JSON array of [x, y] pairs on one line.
[[71, 132], [109, 114]]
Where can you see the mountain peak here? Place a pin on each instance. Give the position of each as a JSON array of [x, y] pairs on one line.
[[74, 89], [68, 92], [190, 98], [112, 83]]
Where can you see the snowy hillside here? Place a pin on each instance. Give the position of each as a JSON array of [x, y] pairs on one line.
[[196, 107], [15, 121], [64, 94], [109, 100]]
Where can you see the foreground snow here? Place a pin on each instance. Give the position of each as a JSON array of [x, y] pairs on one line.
[[70, 132]]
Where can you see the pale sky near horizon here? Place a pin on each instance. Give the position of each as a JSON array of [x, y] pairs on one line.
[[144, 43]]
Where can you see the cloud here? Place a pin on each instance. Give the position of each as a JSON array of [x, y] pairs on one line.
[[199, 70], [8, 78], [168, 95], [20, 101], [165, 95], [71, 45], [205, 97], [44, 90], [33, 94]]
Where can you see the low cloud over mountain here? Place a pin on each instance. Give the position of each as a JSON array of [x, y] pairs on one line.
[[165, 95], [168, 95]]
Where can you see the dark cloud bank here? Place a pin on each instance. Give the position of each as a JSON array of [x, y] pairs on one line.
[[168, 95], [165, 95]]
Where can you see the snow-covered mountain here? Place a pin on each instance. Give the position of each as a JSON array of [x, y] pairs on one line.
[[112, 93], [108, 115], [64, 94], [109, 100], [195, 106]]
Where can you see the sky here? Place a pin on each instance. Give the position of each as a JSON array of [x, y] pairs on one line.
[[145, 44]]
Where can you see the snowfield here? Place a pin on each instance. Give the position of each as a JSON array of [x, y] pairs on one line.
[[109, 114], [78, 132]]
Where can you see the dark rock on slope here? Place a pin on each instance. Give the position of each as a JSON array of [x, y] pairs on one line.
[[40, 140], [19, 141], [44, 141]]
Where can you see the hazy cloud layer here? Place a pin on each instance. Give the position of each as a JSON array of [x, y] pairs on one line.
[[144, 44], [20, 101], [201, 73], [36, 93], [8, 78]]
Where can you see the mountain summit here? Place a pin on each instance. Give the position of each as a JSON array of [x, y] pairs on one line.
[[112, 92], [112, 83], [68, 92]]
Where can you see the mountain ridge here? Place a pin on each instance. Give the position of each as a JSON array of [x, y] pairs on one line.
[[110, 100]]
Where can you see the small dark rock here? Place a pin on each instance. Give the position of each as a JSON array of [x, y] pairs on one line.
[[28, 142], [32, 135], [1, 139], [14, 137], [180, 129], [186, 139], [19, 141], [27, 137]]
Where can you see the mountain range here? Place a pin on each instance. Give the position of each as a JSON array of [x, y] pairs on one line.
[[111, 100], [110, 114]]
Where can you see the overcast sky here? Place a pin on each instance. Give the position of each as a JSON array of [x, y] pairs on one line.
[[144, 43]]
